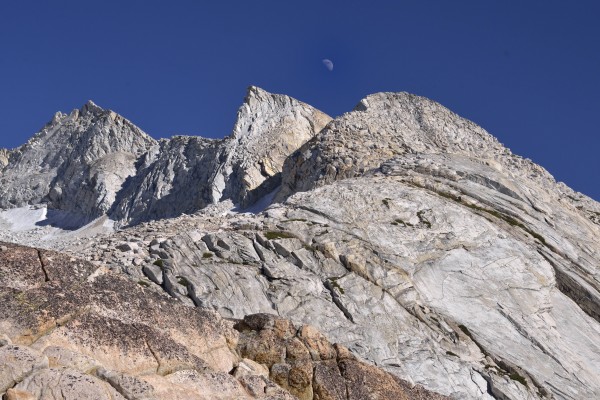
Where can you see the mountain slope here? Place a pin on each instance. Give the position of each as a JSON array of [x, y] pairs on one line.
[[419, 242], [94, 162], [76, 163], [186, 174], [401, 230]]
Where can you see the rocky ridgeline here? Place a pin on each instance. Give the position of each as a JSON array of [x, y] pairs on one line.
[[94, 162], [388, 126], [401, 231], [383, 126], [186, 174], [76, 163]]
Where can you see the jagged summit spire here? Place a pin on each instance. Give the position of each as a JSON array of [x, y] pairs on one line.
[[255, 91], [91, 107], [261, 108], [257, 98], [76, 163]]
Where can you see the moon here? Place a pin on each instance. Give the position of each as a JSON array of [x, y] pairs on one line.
[[328, 64]]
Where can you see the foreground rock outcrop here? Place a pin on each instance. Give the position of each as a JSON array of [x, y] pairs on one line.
[[70, 330]]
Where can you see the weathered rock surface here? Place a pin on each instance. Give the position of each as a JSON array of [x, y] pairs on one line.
[[185, 174], [442, 257], [4, 156], [17, 362], [268, 129], [303, 362], [94, 162], [174, 177], [71, 330], [76, 163], [401, 231]]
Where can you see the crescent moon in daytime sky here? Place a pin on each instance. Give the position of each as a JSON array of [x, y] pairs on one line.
[[328, 64]]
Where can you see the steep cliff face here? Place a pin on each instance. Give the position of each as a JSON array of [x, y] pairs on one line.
[[76, 163], [174, 177], [398, 134], [185, 174], [4, 157], [94, 162], [413, 237], [268, 129]]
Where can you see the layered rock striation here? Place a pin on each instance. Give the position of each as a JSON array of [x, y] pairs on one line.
[[401, 231], [70, 330]]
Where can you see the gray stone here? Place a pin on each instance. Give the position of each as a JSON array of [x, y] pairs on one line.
[[18, 362], [421, 244], [130, 387], [137, 261], [77, 162], [154, 273], [243, 167], [285, 247], [157, 241], [67, 384], [127, 247]]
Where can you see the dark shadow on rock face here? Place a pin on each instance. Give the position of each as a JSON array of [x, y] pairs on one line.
[[261, 204], [246, 200], [185, 166], [64, 220]]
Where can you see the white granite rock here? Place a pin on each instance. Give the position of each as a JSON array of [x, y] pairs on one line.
[[76, 163], [185, 174], [401, 230]]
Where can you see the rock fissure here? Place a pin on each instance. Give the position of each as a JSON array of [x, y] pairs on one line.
[[394, 225], [574, 290], [522, 330], [156, 358], [43, 266], [333, 290]]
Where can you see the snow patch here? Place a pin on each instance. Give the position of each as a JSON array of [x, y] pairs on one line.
[[39, 227], [23, 218]]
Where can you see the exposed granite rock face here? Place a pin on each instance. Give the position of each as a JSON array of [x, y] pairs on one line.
[[174, 177], [76, 163], [385, 126], [268, 129], [94, 162], [304, 363], [4, 157], [185, 174], [71, 330], [404, 233], [382, 126], [16, 363], [443, 257]]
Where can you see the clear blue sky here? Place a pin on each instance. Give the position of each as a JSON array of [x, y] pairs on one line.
[[527, 71]]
